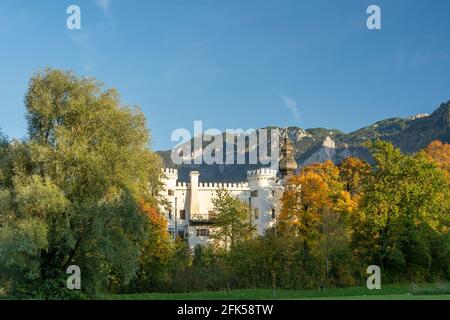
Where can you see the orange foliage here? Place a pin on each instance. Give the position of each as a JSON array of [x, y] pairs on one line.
[[352, 172], [156, 219], [305, 194], [158, 228], [315, 191], [327, 170], [439, 153]]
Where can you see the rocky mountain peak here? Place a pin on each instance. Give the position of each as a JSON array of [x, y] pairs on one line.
[[329, 143], [418, 116], [443, 113]]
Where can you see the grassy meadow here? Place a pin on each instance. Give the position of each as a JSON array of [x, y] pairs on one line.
[[389, 292]]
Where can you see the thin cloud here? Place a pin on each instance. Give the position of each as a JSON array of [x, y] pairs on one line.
[[104, 5], [420, 58], [291, 104], [87, 51]]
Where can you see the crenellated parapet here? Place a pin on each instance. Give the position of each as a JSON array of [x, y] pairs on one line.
[[215, 185], [263, 172], [170, 173], [261, 178], [182, 185], [226, 185]]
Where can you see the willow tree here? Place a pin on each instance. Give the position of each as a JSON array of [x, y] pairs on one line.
[[70, 192]]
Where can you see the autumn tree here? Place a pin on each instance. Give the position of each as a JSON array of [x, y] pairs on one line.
[[156, 252], [305, 197], [352, 173], [315, 210], [69, 192], [439, 153]]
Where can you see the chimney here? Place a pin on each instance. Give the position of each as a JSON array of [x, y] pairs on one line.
[[194, 208]]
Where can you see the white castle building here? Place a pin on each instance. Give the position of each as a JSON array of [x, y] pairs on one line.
[[191, 202]]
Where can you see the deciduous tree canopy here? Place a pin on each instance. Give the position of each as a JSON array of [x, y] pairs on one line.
[[69, 192]]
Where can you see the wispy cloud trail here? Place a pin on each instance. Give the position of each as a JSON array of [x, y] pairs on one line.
[[291, 104]]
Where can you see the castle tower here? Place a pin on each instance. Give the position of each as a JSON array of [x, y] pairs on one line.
[[288, 165], [169, 179], [262, 198]]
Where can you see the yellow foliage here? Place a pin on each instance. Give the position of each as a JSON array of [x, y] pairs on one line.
[[316, 190], [439, 153]]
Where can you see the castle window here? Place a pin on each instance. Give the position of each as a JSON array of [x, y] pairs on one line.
[[256, 213], [273, 214], [170, 192], [203, 232], [182, 214], [273, 193], [254, 193], [170, 214]]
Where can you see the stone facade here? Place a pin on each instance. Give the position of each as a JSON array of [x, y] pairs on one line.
[[191, 202]]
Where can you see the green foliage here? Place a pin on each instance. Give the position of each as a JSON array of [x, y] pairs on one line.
[[157, 253], [69, 192], [20, 245], [336, 222], [231, 220], [405, 213], [209, 269], [83, 189]]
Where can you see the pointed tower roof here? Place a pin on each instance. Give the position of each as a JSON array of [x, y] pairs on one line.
[[288, 165]]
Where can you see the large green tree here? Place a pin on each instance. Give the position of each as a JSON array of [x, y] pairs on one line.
[[69, 193], [231, 221], [405, 213]]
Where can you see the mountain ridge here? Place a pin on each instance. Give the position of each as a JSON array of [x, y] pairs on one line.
[[319, 144]]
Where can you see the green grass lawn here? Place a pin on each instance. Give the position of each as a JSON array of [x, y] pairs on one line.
[[426, 291], [388, 292]]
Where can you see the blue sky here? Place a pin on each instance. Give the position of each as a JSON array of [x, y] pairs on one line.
[[235, 64]]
